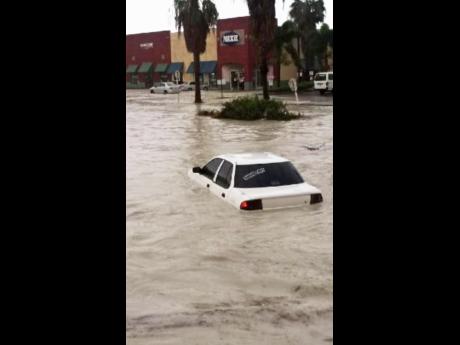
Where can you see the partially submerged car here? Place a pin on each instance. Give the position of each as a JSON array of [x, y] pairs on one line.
[[164, 87], [256, 181], [203, 86], [186, 87]]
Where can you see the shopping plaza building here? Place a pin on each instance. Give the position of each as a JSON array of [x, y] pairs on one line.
[[230, 56]]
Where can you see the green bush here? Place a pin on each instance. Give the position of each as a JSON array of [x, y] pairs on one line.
[[252, 108]]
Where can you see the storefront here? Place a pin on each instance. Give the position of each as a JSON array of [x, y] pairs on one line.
[[173, 68], [145, 75], [208, 60], [131, 75], [236, 55], [207, 72], [160, 72], [230, 55], [146, 51]]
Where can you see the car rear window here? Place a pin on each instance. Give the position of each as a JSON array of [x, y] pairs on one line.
[[320, 77], [209, 170], [266, 175]]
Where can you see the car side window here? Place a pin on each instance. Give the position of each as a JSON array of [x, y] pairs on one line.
[[330, 76], [209, 170], [224, 177]]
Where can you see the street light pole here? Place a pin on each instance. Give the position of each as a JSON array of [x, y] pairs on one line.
[[221, 88]]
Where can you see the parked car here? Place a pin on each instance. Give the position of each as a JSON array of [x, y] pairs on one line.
[[164, 87], [323, 82], [203, 86], [186, 86], [255, 181]]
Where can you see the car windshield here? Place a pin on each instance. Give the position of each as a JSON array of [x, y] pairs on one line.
[[170, 84], [320, 77], [266, 175]]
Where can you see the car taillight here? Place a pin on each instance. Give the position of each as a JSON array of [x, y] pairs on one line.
[[250, 205], [316, 198]]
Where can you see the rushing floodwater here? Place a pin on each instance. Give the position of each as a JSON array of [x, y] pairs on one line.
[[202, 272]]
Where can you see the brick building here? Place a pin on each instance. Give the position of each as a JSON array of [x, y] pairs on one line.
[[148, 55]]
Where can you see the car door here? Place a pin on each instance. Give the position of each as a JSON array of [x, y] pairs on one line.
[[172, 87], [158, 88], [208, 172], [223, 180]]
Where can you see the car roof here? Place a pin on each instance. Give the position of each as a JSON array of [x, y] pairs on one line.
[[252, 158]]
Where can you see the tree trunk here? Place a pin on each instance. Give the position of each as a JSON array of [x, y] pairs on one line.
[[263, 75], [196, 65]]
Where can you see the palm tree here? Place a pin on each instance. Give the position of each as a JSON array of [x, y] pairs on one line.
[[197, 21], [263, 21], [282, 43], [306, 14], [323, 44]]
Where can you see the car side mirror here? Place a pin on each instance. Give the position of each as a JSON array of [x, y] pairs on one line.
[[196, 170]]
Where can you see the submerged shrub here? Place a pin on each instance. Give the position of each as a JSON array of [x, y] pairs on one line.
[[252, 108]]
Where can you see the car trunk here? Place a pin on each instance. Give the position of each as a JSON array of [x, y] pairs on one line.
[[286, 201], [284, 196]]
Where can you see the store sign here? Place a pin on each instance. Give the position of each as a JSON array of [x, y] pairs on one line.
[[148, 45], [231, 38]]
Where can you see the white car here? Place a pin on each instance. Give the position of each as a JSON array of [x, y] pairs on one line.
[[324, 82], [165, 87], [191, 86], [255, 181], [186, 87]]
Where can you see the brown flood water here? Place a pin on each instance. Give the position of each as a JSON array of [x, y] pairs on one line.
[[198, 271]]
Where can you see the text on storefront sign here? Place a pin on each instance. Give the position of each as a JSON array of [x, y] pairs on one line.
[[231, 38], [146, 45]]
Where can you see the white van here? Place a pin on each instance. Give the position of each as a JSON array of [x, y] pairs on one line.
[[324, 82]]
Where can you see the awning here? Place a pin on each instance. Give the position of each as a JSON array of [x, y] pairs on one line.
[[206, 67], [131, 69], [145, 67], [175, 66], [161, 68]]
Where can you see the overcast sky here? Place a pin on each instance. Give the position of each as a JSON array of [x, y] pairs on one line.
[[158, 15]]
